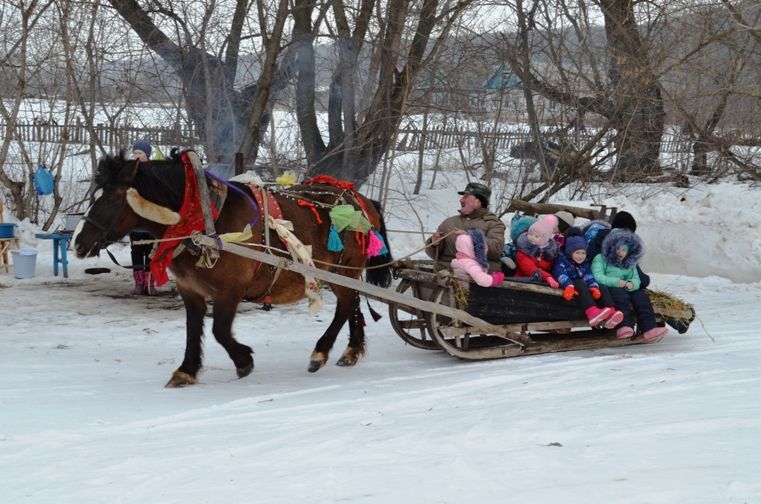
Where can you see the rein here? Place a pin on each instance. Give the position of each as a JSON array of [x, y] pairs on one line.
[[250, 200]]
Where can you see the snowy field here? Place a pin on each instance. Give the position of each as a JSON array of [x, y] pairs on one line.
[[84, 416]]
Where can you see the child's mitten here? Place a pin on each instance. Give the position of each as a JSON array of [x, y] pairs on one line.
[[569, 292], [497, 278]]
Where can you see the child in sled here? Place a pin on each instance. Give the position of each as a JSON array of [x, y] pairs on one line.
[[572, 269], [537, 251], [616, 267], [519, 224], [470, 259]]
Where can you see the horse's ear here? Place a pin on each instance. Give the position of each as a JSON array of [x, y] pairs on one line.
[[128, 171]]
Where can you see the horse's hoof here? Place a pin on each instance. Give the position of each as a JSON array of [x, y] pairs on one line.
[[344, 361], [245, 371], [349, 358], [316, 361], [180, 379]]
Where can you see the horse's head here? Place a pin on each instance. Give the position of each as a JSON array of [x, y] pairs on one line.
[[110, 217]]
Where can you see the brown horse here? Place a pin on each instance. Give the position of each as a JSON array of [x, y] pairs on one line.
[[125, 188]]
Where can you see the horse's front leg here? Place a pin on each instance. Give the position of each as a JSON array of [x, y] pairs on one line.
[[224, 314], [195, 310], [347, 301]]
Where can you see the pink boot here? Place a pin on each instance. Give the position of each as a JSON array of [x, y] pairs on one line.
[[654, 334], [150, 284], [614, 319], [139, 277], [597, 315], [624, 332]]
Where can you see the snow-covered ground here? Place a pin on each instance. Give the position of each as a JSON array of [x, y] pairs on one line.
[[84, 416]]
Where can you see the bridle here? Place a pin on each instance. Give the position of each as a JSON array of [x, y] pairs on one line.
[[101, 238]]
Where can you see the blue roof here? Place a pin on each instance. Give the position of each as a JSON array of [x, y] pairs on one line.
[[502, 78]]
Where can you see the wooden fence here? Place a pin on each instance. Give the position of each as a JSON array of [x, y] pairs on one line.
[[409, 139], [111, 137]]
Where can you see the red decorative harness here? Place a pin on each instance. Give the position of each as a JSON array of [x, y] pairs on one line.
[[191, 219], [273, 207]]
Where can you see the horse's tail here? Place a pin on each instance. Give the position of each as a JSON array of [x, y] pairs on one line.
[[378, 270]]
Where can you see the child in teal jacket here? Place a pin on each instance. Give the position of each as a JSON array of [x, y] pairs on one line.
[[616, 267]]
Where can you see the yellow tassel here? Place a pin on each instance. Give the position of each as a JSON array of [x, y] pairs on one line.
[[243, 236], [287, 178]]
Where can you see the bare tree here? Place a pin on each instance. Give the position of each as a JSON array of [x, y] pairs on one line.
[[367, 100]]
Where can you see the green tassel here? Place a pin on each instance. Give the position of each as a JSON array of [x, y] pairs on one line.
[[334, 241]]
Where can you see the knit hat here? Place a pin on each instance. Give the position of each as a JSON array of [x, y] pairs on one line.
[[144, 146], [574, 241], [624, 220], [565, 220], [543, 229], [480, 191]]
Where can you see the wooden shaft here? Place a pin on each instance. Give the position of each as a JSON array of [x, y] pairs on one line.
[[384, 294]]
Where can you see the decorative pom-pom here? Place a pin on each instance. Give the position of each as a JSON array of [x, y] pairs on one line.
[[334, 241], [375, 245]]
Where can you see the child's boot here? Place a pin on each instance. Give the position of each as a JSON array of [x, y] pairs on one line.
[[616, 318], [150, 284], [139, 277], [624, 332], [654, 334], [597, 315]]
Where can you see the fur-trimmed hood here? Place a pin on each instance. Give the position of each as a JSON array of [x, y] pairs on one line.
[[550, 251], [631, 240], [472, 245]]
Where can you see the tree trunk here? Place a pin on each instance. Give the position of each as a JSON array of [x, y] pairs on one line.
[[219, 112], [638, 114]]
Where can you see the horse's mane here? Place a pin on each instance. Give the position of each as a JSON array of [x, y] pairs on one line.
[[159, 181]]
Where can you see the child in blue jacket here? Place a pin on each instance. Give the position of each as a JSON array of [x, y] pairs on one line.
[[572, 270]]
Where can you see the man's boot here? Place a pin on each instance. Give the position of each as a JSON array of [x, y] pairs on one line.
[[139, 277]]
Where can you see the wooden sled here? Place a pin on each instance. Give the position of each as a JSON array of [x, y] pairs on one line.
[[531, 318]]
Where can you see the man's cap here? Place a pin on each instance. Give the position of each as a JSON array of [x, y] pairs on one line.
[[478, 190]]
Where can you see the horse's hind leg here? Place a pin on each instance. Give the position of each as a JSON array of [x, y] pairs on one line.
[[224, 314], [348, 301], [356, 348], [195, 310]]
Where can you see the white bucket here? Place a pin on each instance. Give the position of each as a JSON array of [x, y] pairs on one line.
[[24, 262], [71, 220]]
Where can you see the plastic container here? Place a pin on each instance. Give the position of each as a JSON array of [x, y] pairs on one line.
[[71, 220], [6, 230], [24, 262]]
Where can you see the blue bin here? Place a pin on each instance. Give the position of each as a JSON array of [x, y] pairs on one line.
[[6, 230], [24, 262]]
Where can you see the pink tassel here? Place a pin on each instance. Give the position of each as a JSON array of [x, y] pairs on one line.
[[374, 245]]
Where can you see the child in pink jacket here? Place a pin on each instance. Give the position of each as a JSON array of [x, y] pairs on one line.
[[471, 259]]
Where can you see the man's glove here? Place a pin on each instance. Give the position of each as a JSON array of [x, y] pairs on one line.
[[552, 282], [569, 292]]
